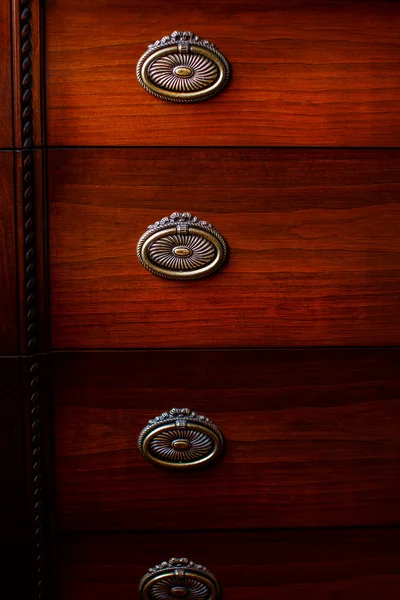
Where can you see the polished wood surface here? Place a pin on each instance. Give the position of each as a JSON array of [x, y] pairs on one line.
[[24, 423], [8, 280], [324, 564], [28, 64], [312, 438], [312, 435], [313, 238], [321, 73], [6, 139], [31, 218]]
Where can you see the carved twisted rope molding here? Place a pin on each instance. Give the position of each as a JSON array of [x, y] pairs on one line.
[[25, 11]]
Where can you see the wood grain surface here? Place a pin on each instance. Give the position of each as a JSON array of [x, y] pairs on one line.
[[6, 136], [322, 73], [313, 238], [8, 267], [324, 564], [312, 439]]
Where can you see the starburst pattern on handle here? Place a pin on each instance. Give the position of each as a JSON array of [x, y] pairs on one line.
[[179, 587], [199, 250], [183, 72], [182, 67], [181, 445]]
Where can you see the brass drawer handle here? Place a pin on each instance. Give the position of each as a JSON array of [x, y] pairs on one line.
[[183, 68], [182, 247], [180, 439], [179, 578]]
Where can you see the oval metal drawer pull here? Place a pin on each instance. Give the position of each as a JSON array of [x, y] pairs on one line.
[[180, 439], [181, 67], [182, 247], [179, 578]]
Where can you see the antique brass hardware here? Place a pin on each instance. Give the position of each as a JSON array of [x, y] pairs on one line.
[[179, 578], [182, 247], [180, 439], [181, 67]]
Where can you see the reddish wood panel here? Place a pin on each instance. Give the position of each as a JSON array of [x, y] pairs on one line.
[[313, 237], [322, 73], [312, 439], [8, 268], [32, 251], [5, 77], [345, 564], [27, 64]]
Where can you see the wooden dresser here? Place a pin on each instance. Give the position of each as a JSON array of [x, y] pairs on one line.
[[200, 308]]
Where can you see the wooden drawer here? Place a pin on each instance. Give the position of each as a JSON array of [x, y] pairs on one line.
[[324, 564], [320, 73], [313, 239], [312, 439]]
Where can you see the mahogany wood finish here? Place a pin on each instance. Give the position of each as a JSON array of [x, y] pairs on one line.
[[6, 133], [8, 274], [312, 439], [323, 73], [27, 73], [23, 307], [324, 564], [312, 435], [32, 256], [313, 238]]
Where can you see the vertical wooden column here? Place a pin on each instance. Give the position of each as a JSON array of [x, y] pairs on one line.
[[31, 388], [6, 132]]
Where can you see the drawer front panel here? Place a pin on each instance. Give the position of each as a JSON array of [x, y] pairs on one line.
[[320, 73], [312, 439], [313, 236], [265, 565]]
